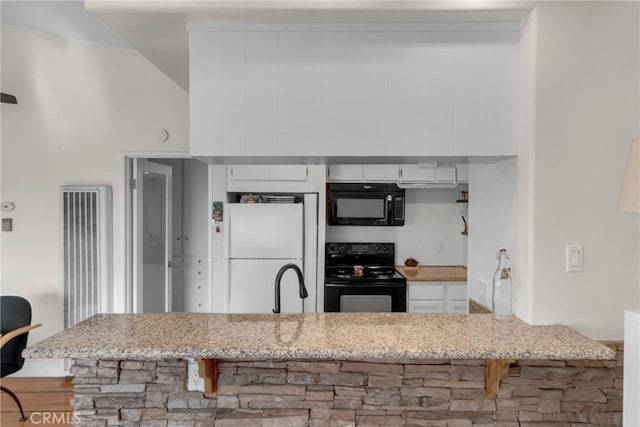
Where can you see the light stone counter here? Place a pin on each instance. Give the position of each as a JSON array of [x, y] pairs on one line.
[[343, 336], [434, 273]]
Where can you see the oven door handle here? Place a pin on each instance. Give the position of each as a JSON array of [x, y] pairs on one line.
[[367, 285]]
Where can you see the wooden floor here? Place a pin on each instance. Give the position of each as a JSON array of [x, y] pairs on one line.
[[45, 402]]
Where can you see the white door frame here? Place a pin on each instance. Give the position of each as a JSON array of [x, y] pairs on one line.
[[142, 167], [127, 212]]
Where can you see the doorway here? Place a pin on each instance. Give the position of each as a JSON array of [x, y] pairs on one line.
[[152, 254], [167, 247]]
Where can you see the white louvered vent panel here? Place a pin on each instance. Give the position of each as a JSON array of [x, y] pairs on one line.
[[86, 229]]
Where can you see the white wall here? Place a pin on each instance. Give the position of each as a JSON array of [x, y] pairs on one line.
[[80, 105], [586, 111], [492, 216], [432, 216]]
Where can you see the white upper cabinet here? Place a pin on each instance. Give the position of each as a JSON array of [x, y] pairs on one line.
[[380, 173], [375, 90], [268, 178], [428, 174], [344, 173], [362, 173], [267, 172]]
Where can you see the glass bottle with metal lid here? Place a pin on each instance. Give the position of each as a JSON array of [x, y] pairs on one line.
[[502, 287]]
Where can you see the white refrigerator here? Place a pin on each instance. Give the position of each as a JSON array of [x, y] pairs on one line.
[[261, 238]]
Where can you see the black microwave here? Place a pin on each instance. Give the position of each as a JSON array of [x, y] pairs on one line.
[[365, 204]]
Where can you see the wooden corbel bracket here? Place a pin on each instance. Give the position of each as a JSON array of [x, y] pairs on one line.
[[495, 370], [208, 371]]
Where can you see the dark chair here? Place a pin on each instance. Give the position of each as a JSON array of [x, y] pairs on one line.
[[15, 324]]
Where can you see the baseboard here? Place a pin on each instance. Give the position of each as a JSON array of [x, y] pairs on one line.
[[42, 368]]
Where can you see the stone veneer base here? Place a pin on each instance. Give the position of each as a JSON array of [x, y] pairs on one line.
[[347, 393]]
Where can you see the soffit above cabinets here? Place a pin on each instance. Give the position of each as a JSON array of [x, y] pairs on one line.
[[409, 91], [341, 160], [158, 29]]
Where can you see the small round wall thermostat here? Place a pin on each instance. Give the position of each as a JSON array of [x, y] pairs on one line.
[[163, 135], [8, 207]]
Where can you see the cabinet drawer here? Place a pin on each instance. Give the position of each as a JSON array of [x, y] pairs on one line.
[[426, 307], [457, 291], [421, 291]]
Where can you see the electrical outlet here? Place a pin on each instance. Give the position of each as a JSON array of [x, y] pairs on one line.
[[443, 246], [194, 383]]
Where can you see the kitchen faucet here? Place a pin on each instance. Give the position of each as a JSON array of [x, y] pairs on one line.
[[303, 289]]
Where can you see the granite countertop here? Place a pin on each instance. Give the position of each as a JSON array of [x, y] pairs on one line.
[[434, 273], [343, 336]]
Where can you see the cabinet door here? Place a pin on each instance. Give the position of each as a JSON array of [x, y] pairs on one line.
[[380, 173], [462, 172], [346, 173], [288, 172], [427, 174], [446, 174], [457, 291], [426, 306], [457, 306], [426, 291], [248, 172], [418, 173]]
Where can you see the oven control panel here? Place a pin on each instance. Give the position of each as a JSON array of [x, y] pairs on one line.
[[359, 248]]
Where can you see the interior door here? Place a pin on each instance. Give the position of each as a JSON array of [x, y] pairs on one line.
[[152, 291]]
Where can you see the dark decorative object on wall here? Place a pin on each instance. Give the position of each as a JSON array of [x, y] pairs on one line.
[[8, 99]]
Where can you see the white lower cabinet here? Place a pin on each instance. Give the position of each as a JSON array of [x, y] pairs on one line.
[[437, 297], [459, 307]]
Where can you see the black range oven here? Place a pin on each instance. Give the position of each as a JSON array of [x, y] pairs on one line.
[[360, 277]]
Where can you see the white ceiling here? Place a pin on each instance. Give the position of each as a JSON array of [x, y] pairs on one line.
[[157, 28]]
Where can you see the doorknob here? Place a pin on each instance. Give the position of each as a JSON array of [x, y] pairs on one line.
[[170, 264]]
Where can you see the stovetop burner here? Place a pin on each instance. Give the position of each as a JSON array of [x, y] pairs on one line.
[[363, 272], [360, 263]]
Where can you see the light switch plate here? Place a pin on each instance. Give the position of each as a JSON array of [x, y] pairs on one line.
[[575, 258], [7, 224]]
